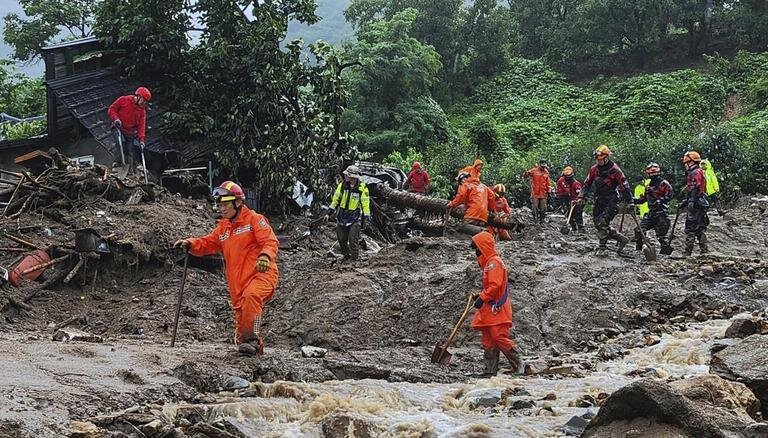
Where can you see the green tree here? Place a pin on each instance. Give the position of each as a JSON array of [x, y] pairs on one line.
[[275, 117], [392, 107], [20, 95], [45, 20]]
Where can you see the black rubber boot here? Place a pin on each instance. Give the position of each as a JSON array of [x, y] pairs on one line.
[[491, 359], [703, 247]]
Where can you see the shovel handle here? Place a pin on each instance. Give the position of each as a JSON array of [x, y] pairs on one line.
[[645, 238], [570, 212], [674, 224], [178, 304], [459, 323]]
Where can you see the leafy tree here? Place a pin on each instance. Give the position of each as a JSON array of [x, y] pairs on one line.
[[45, 20], [392, 107], [275, 118], [21, 96]]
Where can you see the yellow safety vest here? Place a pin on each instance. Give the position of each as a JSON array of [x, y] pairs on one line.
[[640, 191], [713, 185]]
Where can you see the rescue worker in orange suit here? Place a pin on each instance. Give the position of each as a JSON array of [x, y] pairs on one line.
[[696, 219], [476, 196], [539, 176], [658, 193], [129, 115], [494, 309], [562, 191], [574, 188], [474, 170], [249, 246], [610, 186], [501, 208], [417, 180]]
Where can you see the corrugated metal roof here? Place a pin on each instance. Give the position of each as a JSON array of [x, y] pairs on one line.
[[88, 96], [71, 43]]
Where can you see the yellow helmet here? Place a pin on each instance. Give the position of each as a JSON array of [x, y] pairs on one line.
[[601, 152]]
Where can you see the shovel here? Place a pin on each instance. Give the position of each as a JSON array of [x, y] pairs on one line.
[[648, 251], [178, 304], [566, 228], [666, 248], [144, 165], [441, 354]]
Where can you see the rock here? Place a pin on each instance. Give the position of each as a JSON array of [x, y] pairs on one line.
[[741, 328], [700, 316], [575, 426], [152, 428], [521, 404], [585, 401], [706, 270], [233, 382], [745, 362], [68, 334], [657, 404], [535, 366], [652, 340], [310, 351], [757, 430], [610, 351], [347, 425], [644, 372], [84, 429], [486, 397], [550, 396], [563, 370], [676, 319], [721, 344]]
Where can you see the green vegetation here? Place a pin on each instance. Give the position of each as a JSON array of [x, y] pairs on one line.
[[21, 97]]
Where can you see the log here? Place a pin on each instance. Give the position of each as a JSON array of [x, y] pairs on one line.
[[21, 181], [21, 241], [74, 270], [438, 205]]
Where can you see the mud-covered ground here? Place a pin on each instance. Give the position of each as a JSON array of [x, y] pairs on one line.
[[378, 318]]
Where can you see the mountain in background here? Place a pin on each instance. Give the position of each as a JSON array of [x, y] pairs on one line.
[[332, 27]]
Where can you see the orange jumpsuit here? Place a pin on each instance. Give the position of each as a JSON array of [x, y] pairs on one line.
[[494, 318], [242, 241], [502, 206], [475, 195]]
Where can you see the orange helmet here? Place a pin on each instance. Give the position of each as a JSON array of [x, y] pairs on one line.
[[143, 92], [568, 171], [601, 152], [653, 169], [499, 188], [691, 156], [228, 191]]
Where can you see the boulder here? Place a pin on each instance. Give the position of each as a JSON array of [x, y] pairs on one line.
[[718, 392], [68, 334], [575, 426], [84, 429], [741, 328], [486, 397], [233, 382], [310, 351], [656, 407], [745, 361], [338, 425]]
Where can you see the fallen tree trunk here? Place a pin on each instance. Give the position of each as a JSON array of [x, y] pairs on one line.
[[438, 205]]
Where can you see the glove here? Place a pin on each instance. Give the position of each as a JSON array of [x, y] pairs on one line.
[[623, 207], [141, 145], [117, 123], [626, 197], [182, 243], [683, 204], [478, 301], [263, 264], [636, 201]]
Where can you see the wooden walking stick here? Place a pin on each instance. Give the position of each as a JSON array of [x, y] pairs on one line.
[[178, 304]]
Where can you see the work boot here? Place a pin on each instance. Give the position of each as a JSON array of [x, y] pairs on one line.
[[252, 348], [638, 240], [623, 241], [703, 247], [514, 360], [690, 240], [491, 358]]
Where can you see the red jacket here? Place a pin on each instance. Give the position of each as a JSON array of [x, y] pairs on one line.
[[241, 242], [133, 117], [695, 183], [609, 181], [575, 189], [494, 285], [539, 182], [476, 196], [417, 181], [563, 188]]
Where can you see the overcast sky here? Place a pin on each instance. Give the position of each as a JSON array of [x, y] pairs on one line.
[[8, 6]]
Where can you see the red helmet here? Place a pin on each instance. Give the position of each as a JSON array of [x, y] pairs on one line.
[[228, 191], [143, 92]]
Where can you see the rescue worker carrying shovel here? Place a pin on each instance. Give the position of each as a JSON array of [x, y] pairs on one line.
[[696, 220], [354, 210], [129, 116], [610, 186], [572, 188], [249, 246], [657, 193]]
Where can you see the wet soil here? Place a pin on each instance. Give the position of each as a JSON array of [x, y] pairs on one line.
[[379, 318]]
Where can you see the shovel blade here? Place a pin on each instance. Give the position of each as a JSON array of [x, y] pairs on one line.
[[441, 355], [565, 229], [649, 253], [666, 249]]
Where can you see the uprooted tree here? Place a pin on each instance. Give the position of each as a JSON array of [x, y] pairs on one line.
[[275, 118]]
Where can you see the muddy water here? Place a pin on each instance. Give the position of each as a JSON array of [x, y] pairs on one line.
[[407, 409]]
